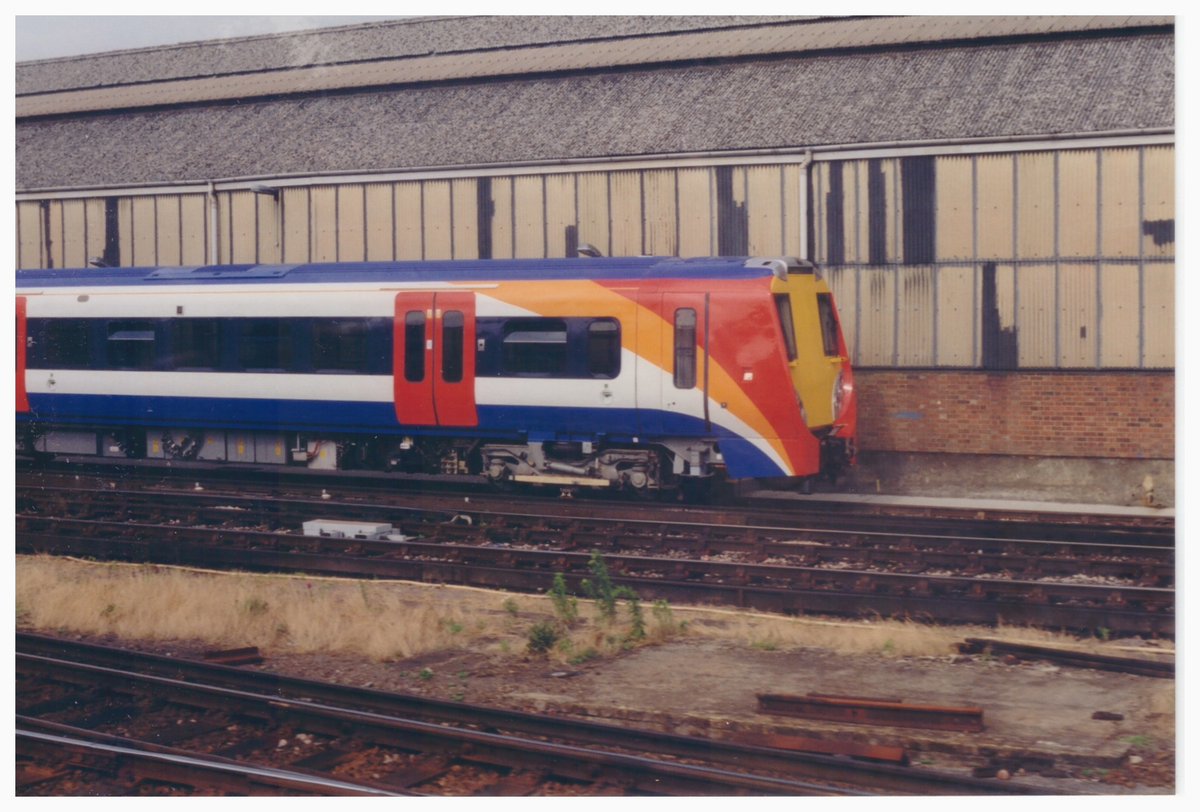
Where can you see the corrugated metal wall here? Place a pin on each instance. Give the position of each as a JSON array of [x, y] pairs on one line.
[[1056, 259]]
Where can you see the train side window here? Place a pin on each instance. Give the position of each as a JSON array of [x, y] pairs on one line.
[[452, 346], [604, 348], [195, 344], [266, 344], [534, 348], [130, 344], [685, 348], [414, 346], [829, 325], [65, 344], [340, 345], [783, 305]]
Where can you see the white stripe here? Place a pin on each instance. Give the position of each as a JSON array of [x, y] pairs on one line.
[[239, 385]]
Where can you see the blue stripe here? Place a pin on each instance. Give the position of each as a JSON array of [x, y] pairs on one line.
[[496, 423], [461, 271]]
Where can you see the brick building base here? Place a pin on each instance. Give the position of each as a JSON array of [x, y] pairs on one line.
[[1095, 414]]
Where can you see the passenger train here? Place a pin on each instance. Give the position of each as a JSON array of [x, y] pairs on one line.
[[647, 374]]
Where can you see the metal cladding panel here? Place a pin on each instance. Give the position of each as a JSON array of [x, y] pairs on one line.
[[561, 233], [241, 237], [764, 210], [1077, 203], [1158, 314], [1037, 316], [297, 225], [170, 245], [843, 282], [660, 212], [530, 217], [957, 340], [435, 200], [465, 198], [125, 230], [1120, 296], [877, 324], [322, 213], [625, 195], [502, 218], [380, 217], [1035, 205], [793, 190], [1120, 220], [410, 243], [862, 210], [145, 227], [351, 224], [594, 211], [893, 229], [994, 198], [1077, 316], [955, 208], [916, 311], [696, 235], [193, 240], [1158, 196]]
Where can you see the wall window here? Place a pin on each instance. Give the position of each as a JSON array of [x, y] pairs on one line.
[[783, 305], [266, 344], [685, 348], [340, 345], [195, 344], [535, 348], [604, 348], [130, 344], [452, 346], [414, 346], [63, 344]]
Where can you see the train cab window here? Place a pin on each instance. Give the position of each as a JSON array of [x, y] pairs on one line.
[[130, 344], [604, 348], [340, 345], [783, 305], [829, 325], [414, 346], [685, 348], [64, 345], [452, 346], [266, 344], [535, 348], [195, 344]]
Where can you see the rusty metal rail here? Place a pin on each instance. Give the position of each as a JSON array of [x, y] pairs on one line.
[[770, 587], [871, 711], [203, 684], [1077, 659]]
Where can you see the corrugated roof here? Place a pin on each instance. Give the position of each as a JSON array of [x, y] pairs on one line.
[[1032, 88], [493, 54]]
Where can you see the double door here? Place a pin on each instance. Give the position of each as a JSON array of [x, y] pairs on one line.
[[434, 361]]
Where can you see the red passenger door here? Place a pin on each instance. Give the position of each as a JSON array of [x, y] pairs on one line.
[[22, 344], [434, 359]]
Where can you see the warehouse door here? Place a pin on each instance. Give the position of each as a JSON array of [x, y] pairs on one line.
[[434, 359]]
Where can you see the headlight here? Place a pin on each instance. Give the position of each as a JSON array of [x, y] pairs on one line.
[[839, 396]]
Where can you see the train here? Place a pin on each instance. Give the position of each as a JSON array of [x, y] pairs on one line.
[[652, 375]]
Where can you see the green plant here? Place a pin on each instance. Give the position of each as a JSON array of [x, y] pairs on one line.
[[600, 587], [425, 674], [542, 637], [566, 607], [637, 627], [764, 645], [588, 653], [1138, 741], [453, 626], [511, 606], [889, 647], [256, 606]]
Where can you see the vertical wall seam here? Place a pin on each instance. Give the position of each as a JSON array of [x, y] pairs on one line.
[[1141, 258], [1016, 288], [1099, 253], [976, 304], [1057, 261]]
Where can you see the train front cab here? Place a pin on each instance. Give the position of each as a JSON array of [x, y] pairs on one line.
[[820, 364]]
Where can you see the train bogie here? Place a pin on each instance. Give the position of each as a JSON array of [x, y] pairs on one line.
[[643, 374]]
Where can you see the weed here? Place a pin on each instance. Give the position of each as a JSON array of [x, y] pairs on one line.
[[511, 606], [889, 647], [108, 611], [588, 653], [1104, 633], [453, 626], [764, 645], [256, 607], [425, 674], [542, 637], [458, 696], [566, 607], [1138, 741], [600, 587], [463, 674], [505, 648], [637, 628]]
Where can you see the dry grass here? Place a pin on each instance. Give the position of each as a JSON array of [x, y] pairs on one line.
[[392, 620]]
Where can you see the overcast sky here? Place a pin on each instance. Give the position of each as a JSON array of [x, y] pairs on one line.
[[48, 37]]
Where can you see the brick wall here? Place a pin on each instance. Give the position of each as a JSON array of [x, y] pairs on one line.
[[1054, 414]]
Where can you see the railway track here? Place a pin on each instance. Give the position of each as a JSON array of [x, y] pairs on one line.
[[141, 723], [1123, 582]]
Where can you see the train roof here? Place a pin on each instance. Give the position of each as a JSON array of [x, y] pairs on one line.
[[582, 268]]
